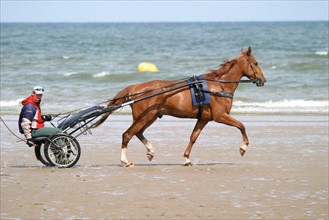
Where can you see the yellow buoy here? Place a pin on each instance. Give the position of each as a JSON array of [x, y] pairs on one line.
[[147, 67]]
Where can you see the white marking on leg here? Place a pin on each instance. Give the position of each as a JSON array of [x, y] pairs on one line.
[[148, 145], [124, 156], [187, 162], [244, 147], [149, 148]]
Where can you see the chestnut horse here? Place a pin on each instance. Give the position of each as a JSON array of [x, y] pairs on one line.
[[178, 103]]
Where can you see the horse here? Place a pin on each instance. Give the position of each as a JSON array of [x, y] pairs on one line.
[[177, 102]]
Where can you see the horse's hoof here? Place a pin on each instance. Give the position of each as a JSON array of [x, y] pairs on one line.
[[150, 156], [243, 149], [130, 164], [242, 152], [188, 164]]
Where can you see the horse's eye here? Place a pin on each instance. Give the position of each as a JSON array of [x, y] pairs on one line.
[[256, 64]]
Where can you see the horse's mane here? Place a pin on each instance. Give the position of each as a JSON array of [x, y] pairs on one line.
[[224, 68]]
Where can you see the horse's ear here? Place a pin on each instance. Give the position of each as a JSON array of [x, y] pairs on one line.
[[249, 51], [243, 51]]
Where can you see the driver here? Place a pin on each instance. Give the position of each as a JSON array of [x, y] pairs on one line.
[[31, 121]]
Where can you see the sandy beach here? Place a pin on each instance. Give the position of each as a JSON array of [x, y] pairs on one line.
[[283, 175]]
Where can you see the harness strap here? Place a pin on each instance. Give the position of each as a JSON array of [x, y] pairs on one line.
[[200, 97], [221, 94], [200, 111], [197, 85]]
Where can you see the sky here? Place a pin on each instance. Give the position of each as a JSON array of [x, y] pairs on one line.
[[162, 11]]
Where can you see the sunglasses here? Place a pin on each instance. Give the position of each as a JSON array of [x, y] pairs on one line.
[[40, 89]]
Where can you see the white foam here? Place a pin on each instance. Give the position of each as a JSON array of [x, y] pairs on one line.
[[282, 106], [102, 74], [321, 53], [10, 103], [70, 73], [285, 103]]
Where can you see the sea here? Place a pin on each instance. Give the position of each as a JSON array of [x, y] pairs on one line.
[[85, 64]]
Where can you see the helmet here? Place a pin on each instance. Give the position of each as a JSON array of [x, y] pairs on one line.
[[38, 90]]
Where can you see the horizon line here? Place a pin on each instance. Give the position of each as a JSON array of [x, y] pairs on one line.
[[162, 21]]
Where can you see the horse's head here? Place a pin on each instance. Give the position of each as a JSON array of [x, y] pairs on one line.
[[251, 69]]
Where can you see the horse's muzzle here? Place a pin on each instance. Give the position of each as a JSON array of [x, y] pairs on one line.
[[259, 82]]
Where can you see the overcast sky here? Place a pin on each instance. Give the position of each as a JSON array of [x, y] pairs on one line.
[[162, 11]]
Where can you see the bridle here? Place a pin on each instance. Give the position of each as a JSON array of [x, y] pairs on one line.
[[257, 80]]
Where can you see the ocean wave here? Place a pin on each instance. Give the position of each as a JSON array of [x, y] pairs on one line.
[[321, 53], [101, 74], [282, 106], [87, 75], [10, 103], [110, 77], [70, 73]]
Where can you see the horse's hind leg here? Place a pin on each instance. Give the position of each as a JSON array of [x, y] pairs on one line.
[[137, 128], [147, 144], [194, 136]]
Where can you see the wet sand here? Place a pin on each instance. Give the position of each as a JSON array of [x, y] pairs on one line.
[[283, 175]]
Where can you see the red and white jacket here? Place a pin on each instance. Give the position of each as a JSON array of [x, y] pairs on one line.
[[30, 117]]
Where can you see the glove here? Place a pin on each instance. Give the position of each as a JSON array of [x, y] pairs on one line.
[[47, 117], [30, 142]]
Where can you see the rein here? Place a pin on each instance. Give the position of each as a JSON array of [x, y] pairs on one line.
[[146, 91], [183, 80], [225, 81], [13, 133]]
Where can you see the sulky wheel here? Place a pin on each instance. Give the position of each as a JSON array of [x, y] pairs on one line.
[[40, 154], [62, 150]]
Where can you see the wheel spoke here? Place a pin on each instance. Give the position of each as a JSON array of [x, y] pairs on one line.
[[63, 151]]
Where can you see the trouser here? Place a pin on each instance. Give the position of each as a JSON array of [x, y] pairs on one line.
[[42, 132]]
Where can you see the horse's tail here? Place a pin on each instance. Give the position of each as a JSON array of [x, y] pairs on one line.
[[101, 120], [120, 98]]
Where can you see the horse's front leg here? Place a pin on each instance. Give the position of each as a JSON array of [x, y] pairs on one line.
[[194, 136], [229, 120], [137, 128]]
